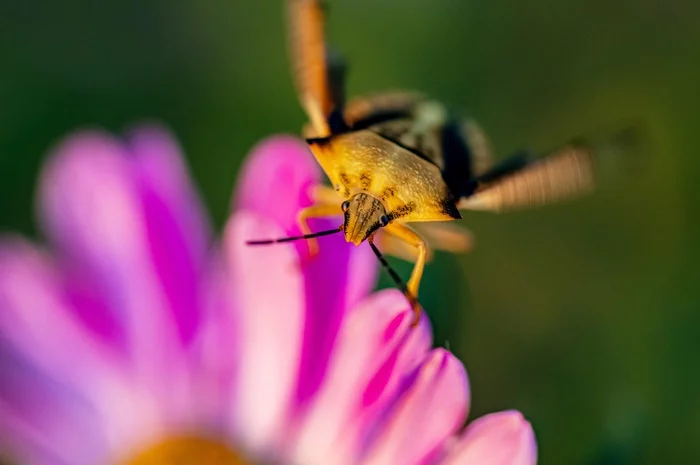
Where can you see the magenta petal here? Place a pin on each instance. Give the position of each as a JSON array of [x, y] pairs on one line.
[[503, 438], [275, 183], [52, 368], [88, 200], [275, 179], [38, 326], [42, 420], [215, 349], [335, 280], [430, 410], [178, 230], [36, 317], [268, 289], [375, 350], [94, 210]]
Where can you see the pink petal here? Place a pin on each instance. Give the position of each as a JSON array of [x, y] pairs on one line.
[[375, 350], [432, 407], [503, 438], [335, 280], [36, 318], [275, 183], [178, 229], [268, 289], [275, 179], [116, 232], [38, 325], [215, 350], [41, 419]]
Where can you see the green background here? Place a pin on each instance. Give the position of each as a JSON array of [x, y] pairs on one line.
[[585, 316]]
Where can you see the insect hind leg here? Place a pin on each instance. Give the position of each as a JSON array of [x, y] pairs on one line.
[[406, 234]]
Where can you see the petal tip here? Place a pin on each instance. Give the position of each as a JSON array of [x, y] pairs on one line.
[[508, 434], [283, 150], [281, 143], [149, 127], [81, 141], [275, 178], [87, 149], [152, 137], [515, 422], [525, 434]]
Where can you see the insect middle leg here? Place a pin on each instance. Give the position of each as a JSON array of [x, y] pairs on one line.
[[406, 234], [439, 236]]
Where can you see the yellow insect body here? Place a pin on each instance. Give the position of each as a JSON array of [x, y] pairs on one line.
[[410, 188], [398, 158]]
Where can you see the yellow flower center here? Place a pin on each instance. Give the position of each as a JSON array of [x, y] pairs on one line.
[[187, 450]]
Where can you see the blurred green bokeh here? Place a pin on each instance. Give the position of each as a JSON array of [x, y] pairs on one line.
[[585, 316]]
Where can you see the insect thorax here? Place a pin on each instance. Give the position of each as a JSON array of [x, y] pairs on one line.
[[410, 187]]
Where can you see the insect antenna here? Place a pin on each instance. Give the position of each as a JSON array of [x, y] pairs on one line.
[[295, 238], [395, 276]]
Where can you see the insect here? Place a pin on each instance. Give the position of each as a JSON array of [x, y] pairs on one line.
[[401, 165]]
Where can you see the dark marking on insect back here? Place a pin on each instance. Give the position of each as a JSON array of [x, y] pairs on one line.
[[450, 208], [345, 180], [365, 180], [403, 210], [388, 193]]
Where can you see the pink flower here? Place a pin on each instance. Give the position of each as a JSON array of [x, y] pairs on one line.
[[135, 338]]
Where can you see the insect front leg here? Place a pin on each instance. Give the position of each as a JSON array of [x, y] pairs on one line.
[[315, 211], [325, 195], [327, 203], [407, 235]]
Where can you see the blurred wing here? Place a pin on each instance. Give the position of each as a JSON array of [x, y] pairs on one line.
[[309, 61], [337, 70], [365, 111], [480, 146], [566, 173], [570, 171]]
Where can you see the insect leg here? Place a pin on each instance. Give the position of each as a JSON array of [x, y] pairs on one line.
[[325, 195], [406, 234], [398, 248], [445, 236], [315, 211], [326, 203]]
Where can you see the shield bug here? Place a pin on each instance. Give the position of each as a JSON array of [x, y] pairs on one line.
[[401, 165]]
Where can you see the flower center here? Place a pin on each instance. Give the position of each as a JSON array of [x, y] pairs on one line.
[[187, 450]]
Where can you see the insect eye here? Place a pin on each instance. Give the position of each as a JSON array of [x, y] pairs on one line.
[[345, 205], [383, 220]]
